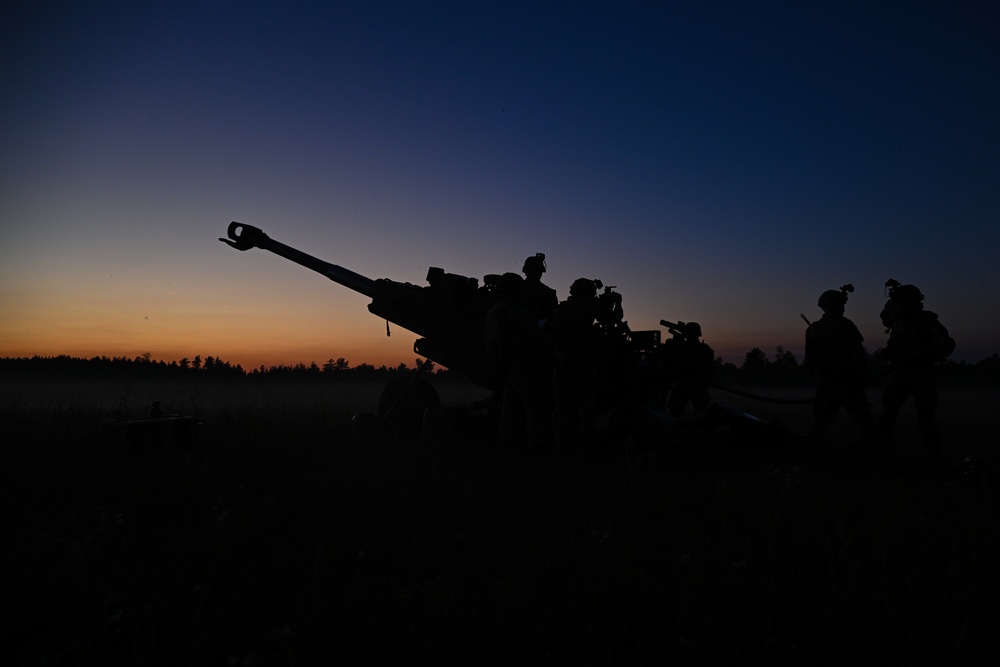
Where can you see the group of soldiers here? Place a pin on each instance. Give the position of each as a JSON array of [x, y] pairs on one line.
[[556, 364], [546, 356], [551, 360], [836, 356]]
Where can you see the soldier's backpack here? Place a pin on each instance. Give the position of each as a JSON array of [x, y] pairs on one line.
[[945, 343]]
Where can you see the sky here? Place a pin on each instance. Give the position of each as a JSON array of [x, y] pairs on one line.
[[718, 162]]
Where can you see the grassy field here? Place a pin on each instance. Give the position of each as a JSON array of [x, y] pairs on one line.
[[282, 535]]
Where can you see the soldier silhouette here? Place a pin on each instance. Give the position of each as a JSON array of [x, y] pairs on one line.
[[835, 355], [576, 339], [917, 342], [516, 353], [691, 363], [538, 298]]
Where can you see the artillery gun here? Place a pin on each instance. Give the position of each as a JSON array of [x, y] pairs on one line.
[[449, 313]]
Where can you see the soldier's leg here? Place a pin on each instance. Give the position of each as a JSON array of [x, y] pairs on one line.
[[893, 396], [587, 388], [676, 401], [512, 419], [537, 415], [856, 404], [826, 405], [700, 398], [925, 399], [564, 411]]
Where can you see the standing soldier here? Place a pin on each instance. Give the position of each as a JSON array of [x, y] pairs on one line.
[[917, 341], [575, 340], [516, 353], [691, 363], [538, 298], [664, 356], [835, 355]]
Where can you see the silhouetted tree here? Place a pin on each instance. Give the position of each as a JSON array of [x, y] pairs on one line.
[[755, 363], [785, 366], [784, 359], [725, 370], [755, 359], [991, 363], [335, 366]]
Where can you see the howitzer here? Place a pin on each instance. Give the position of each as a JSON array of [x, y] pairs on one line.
[[449, 314]]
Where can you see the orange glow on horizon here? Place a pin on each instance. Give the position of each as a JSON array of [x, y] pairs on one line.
[[248, 358], [310, 324]]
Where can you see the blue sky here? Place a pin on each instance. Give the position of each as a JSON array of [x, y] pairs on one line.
[[718, 162]]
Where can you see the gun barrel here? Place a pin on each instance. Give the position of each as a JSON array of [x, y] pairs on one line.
[[244, 237]]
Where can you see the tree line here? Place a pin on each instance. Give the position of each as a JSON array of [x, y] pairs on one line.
[[757, 366], [209, 367]]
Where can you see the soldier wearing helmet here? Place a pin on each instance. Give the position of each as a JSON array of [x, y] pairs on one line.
[[917, 342], [832, 300], [516, 353], [538, 298], [835, 355], [583, 288], [690, 363], [575, 339]]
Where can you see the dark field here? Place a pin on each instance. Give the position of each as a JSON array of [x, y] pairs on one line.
[[283, 536]]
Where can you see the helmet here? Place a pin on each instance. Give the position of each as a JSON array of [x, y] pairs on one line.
[[510, 284], [534, 265], [693, 329], [583, 287], [832, 299], [907, 294]]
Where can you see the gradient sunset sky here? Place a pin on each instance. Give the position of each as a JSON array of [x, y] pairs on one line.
[[722, 162]]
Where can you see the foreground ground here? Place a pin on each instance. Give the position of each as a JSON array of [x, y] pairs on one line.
[[283, 535]]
